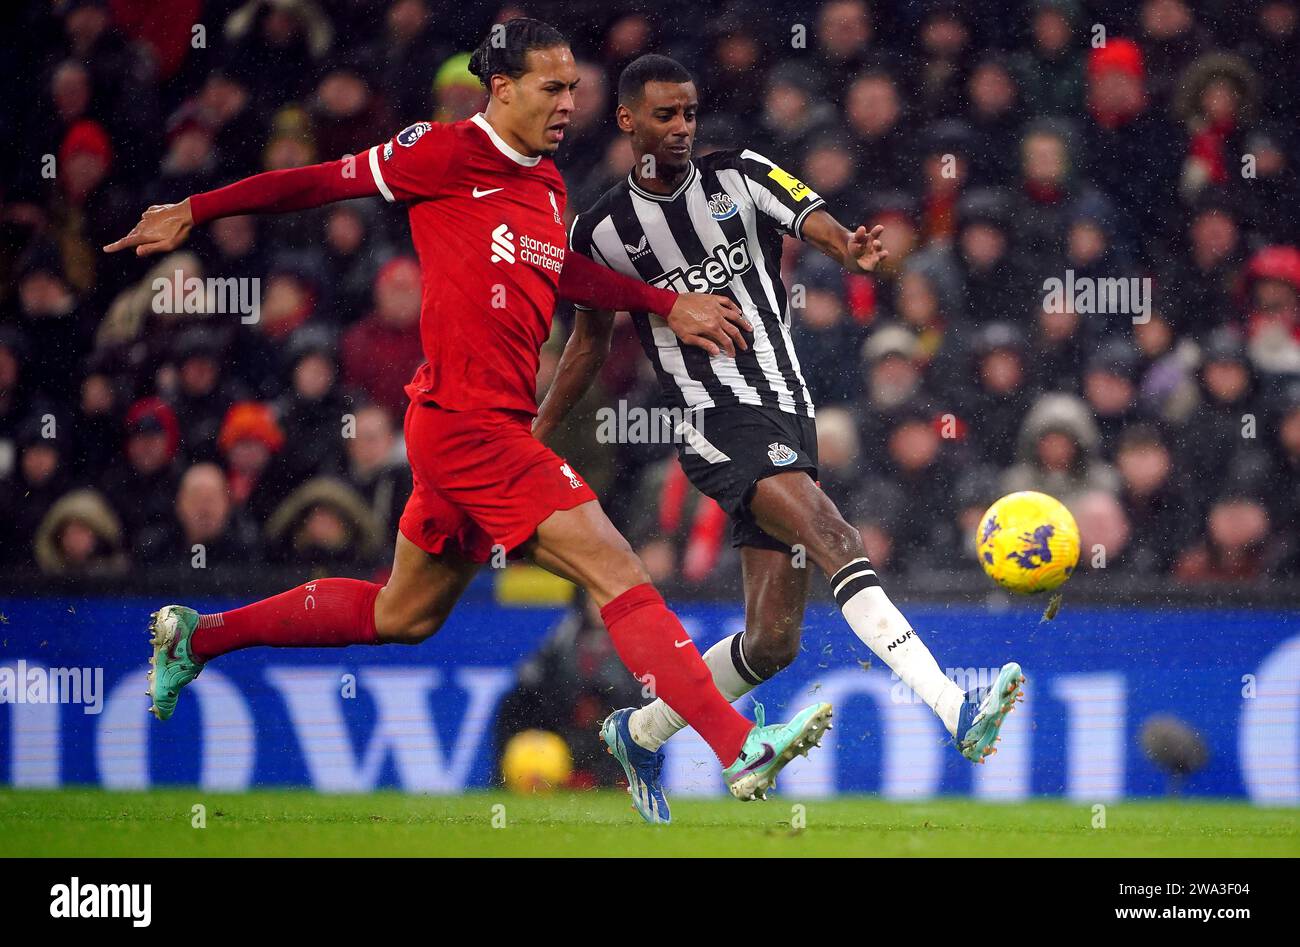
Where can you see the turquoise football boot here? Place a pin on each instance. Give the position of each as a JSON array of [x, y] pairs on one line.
[[173, 665], [984, 710], [767, 750]]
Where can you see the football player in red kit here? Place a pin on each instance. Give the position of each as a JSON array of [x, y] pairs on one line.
[[486, 206]]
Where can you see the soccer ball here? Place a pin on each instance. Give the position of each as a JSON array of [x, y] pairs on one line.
[[536, 761], [1028, 542]]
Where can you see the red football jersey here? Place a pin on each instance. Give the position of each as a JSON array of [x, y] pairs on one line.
[[488, 226]]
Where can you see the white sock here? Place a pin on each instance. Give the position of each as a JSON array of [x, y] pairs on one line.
[[883, 629], [653, 724]]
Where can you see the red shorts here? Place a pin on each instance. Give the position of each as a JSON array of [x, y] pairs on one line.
[[481, 480]]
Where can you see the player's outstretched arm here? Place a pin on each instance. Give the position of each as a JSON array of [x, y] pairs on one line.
[[583, 356], [858, 251], [714, 323], [164, 227]]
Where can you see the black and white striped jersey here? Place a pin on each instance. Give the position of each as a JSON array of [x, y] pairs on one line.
[[719, 232]]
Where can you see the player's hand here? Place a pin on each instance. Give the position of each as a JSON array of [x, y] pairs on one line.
[[713, 323], [162, 228], [865, 249]]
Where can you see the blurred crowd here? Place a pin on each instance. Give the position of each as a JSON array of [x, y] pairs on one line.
[[1001, 147]]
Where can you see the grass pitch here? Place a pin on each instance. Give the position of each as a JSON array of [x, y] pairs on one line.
[[89, 822]]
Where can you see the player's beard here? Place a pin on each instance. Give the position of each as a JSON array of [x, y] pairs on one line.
[[670, 171]]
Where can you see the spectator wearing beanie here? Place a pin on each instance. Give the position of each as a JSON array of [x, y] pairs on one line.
[[140, 485], [250, 440], [1129, 149], [1000, 393], [204, 390], [313, 407], [92, 210], [1110, 388], [1273, 313]]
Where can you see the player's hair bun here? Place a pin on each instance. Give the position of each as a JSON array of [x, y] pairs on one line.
[[476, 63]]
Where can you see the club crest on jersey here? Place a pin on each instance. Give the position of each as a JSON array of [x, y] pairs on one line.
[[723, 265], [388, 150], [410, 135], [721, 206], [780, 455], [574, 481], [555, 207]]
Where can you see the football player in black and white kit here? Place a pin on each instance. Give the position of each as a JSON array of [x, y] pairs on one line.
[[747, 436]]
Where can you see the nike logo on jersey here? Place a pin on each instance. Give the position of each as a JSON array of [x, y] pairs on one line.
[[681, 644], [478, 193]]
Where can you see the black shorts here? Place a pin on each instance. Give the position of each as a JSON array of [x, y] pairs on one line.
[[727, 450]]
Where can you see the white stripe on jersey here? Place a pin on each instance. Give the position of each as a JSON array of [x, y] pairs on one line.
[[697, 207], [604, 240], [735, 186], [379, 178], [664, 247], [769, 205]]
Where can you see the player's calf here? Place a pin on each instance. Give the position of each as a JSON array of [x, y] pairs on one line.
[[397, 623], [421, 592]]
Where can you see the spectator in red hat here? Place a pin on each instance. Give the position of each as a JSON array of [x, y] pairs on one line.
[[1130, 151], [92, 206], [85, 157], [250, 438], [1273, 319], [141, 484], [382, 351]]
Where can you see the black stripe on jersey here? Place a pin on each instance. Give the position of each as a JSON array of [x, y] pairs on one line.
[[733, 229], [627, 227], [688, 241]]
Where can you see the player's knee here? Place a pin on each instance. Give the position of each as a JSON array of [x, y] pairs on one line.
[[838, 541], [773, 646], [624, 571]]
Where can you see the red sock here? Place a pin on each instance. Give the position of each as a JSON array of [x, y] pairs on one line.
[[326, 613], [645, 634]]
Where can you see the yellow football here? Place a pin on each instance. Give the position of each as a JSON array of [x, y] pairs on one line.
[[536, 761], [1028, 542]]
